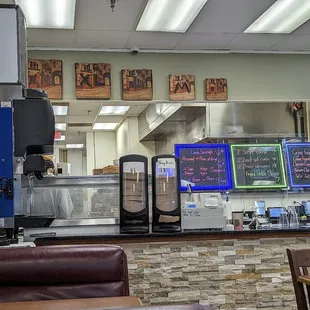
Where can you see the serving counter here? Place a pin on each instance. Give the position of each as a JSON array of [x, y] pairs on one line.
[[224, 269]]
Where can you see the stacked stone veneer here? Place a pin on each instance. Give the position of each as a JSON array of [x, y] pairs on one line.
[[226, 274]]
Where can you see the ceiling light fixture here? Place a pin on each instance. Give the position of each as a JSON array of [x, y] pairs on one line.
[[74, 146], [57, 14], [170, 15], [105, 126], [113, 110], [60, 110], [284, 16], [61, 126]]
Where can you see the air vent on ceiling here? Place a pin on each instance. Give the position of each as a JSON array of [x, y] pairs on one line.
[[80, 125]]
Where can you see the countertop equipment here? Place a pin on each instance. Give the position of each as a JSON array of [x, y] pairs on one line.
[[207, 212], [27, 122]]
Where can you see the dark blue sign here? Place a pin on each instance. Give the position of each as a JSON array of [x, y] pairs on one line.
[[204, 166]]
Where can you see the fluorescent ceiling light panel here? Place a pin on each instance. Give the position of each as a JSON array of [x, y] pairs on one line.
[[61, 126], [74, 146], [62, 138], [105, 126], [57, 14], [60, 110], [169, 15], [114, 110], [284, 16]]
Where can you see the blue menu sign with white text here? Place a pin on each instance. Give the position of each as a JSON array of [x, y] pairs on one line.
[[204, 166], [298, 161]]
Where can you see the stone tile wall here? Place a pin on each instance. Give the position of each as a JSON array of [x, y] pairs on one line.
[[226, 274]]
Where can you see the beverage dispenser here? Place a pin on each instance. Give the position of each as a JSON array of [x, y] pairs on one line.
[[166, 194], [134, 204]]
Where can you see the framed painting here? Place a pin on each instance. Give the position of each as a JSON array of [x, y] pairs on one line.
[[216, 89], [181, 87], [137, 84], [92, 81], [46, 74]]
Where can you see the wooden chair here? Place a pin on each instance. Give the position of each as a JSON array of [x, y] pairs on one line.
[[299, 261]]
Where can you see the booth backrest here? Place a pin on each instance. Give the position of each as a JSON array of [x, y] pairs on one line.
[[63, 272]]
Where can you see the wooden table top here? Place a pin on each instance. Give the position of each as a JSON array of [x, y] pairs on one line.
[[74, 304]]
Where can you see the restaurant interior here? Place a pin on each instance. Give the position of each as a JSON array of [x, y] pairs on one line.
[[155, 154]]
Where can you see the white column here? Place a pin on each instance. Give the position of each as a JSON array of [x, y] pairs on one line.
[[90, 151]]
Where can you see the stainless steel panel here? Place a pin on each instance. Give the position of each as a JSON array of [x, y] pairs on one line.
[[85, 222], [238, 119], [73, 181], [160, 119]]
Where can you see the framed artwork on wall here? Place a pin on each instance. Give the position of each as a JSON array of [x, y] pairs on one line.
[[46, 74], [92, 81], [181, 87], [137, 84], [216, 89]]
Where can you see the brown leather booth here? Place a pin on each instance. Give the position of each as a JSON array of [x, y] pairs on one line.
[[63, 272]]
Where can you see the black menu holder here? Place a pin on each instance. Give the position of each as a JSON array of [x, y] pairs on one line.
[[134, 202], [166, 194]]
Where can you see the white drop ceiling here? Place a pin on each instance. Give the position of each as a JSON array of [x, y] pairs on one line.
[[219, 26]]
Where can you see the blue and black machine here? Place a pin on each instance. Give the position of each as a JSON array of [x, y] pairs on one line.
[[27, 122]]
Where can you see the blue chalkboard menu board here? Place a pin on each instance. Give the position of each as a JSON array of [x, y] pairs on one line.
[[298, 161], [204, 166], [258, 166]]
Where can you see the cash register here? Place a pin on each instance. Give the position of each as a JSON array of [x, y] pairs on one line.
[[274, 214]]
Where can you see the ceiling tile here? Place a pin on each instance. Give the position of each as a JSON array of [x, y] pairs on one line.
[[97, 15], [303, 29], [109, 118], [50, 37], [81, 119], [136, 110], [84, 109], [293, 43], [204, 41], [231, 16], [101, 39], [153, 40], [246, 41]]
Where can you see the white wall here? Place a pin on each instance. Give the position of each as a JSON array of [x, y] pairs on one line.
[[122, 139], [100, 148], [127, 140], [75, 158], [104, 148], [250, 76], [90, 151]]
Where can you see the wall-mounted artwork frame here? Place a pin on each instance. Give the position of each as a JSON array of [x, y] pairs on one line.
[[46, 74], [181, 87], [93, 81], [137, 84], [216, 89]]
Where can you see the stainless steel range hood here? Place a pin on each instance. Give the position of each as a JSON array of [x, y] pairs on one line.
[[160, 119], [219, 120]]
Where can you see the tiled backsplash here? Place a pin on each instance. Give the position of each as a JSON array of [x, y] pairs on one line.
[[226, 274]]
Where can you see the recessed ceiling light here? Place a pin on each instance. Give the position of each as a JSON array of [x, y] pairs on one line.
[[61, 126], [74, 146], [49, 13], [62, 138], [284, 16], [114, 110], [170, 15], [105, 126], [60, 110]]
